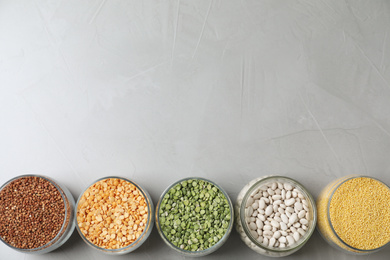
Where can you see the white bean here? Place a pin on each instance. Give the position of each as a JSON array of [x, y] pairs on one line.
[[268, 210], [304, 221], [293, 229], [275, 224], [301, 231], [261, 217], [282, 239], [261, 204], [259, 224], [287, 186], [249, 202], [298, 206], [276, 197], [293, 218], [301, 214], [267, 227], [265, 241], [277, 234], [289, 202], [284, 218], [297, 225], [290, 209], [283, 226], [296, 236], [278, 219], [290, 240], [249, 211], [277, 215], [252, 226], [277, 202], [257, 196], [272, 242]]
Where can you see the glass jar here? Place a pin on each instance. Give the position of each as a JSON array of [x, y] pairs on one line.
[[148, 225], [245, 197], [68, 225], [340, 196], [206, 251]]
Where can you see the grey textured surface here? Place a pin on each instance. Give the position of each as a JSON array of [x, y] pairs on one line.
[[156, 91]]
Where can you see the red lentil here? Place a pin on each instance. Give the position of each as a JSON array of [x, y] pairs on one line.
[[112, 213]]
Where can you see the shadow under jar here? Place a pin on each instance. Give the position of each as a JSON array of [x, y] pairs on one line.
[[36, 214], [114, 215], [275, 215], [194, 216], [354, 214]]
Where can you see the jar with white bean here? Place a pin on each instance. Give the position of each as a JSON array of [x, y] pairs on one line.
[[275, 215]]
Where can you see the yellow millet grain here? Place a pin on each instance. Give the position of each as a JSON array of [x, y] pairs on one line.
[[112, 213], [322, 209], [360, 213]]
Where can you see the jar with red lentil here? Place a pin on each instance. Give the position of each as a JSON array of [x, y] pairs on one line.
[[36, 214], [114, 215], [354, 214]]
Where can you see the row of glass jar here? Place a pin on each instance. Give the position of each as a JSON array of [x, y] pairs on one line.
[[271, 189]]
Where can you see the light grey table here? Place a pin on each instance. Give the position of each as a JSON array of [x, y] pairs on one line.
[[228, 90]]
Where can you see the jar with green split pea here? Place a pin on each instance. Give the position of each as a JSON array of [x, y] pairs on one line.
[[354, 214], [194, 216]]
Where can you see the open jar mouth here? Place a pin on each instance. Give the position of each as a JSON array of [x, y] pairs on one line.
[[67, 225], [312, 212], [351, 248], [207, 250], [144, 235]]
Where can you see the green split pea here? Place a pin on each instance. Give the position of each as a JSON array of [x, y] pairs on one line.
[[194, 215]]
